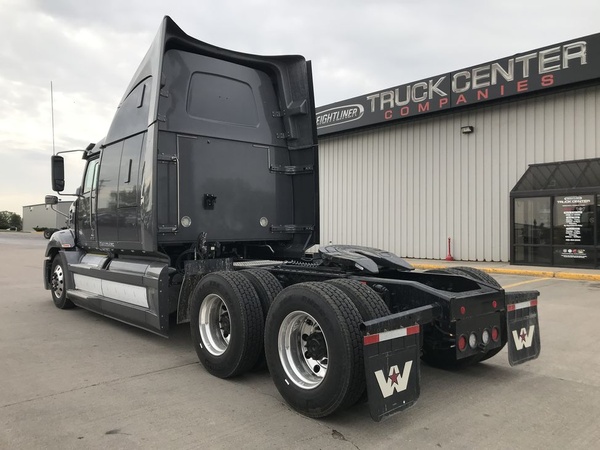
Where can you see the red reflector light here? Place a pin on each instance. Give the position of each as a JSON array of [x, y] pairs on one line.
[[494, 304], [495, 334], [462, 343], [463, 310], [371, 339]]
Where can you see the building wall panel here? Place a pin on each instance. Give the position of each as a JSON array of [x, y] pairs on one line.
[[409, 186]]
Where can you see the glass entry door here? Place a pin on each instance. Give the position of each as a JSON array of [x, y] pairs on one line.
[[532, 230]]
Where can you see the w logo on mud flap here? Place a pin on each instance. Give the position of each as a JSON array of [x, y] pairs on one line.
[[396, 382], [524, 338]]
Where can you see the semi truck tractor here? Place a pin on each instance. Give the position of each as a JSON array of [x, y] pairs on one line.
[[200, 206]]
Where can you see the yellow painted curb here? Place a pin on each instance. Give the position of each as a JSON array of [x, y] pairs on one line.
[[522, 272], [530, 273], [577, 276], [428, 266]]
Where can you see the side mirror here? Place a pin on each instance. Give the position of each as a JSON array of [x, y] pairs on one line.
[[58, 173], [51, 200]]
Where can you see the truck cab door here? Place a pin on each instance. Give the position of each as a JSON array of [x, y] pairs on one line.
[[85, 221]]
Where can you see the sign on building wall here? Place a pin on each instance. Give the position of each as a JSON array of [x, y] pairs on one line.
[[556, 65], [574, 225]]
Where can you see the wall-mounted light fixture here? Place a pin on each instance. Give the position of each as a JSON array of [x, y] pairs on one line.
[[467, 129]]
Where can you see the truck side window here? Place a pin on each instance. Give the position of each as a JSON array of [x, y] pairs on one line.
[[91, 175]]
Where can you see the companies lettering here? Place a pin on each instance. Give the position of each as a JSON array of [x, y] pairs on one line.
[[424, 95]]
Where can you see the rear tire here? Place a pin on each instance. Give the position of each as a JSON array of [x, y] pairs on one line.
[[470, 272], [226, 324], [314, 349], [369, 304], [267, 287], [478, 275], [58, 287]]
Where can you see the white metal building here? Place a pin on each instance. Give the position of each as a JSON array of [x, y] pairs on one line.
[[406, 168]]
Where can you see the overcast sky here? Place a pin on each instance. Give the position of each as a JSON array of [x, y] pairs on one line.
[[90, 50]]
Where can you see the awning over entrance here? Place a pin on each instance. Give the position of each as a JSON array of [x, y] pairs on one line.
[[563, 176]]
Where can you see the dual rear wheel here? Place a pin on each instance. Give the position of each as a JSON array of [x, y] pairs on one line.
[[309, 331]]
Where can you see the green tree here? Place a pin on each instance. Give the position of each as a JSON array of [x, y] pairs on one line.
[[16, 221], [10, 219], [4, 219]]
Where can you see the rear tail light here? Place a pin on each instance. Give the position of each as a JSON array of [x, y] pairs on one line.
[[462, 343], [495, 334]]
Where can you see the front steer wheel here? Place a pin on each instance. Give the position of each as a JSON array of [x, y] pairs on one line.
[[226, 324], [57, 284], [314, 350]]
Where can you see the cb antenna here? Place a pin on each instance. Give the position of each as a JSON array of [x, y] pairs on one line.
[[52, 108]]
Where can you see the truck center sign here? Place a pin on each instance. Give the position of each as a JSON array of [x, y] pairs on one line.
[[557, 65]]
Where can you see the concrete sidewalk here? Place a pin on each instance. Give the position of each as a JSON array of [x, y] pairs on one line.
[[508, 269]]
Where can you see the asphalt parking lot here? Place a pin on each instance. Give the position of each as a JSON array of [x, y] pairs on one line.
[[73, 379]]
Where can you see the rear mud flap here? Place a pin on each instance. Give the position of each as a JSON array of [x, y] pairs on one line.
[[392, 352], [392, 370], [523, 330]]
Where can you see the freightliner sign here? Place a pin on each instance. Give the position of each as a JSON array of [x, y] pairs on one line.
[[557, 65]]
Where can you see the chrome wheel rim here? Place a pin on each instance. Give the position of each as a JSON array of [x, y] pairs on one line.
[[215, 325], [58, 281], [303, 350]]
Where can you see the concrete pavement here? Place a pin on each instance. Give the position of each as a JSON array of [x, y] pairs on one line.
[[73, 379]]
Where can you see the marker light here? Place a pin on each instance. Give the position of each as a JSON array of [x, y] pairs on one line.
[[186, 221]]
